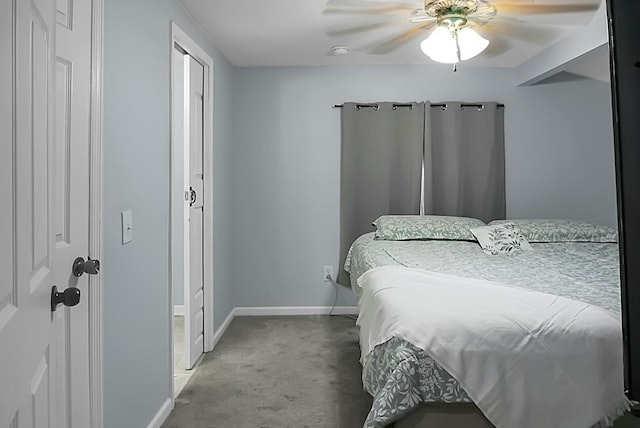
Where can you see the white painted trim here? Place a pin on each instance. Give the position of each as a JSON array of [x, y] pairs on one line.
[[95, 216], [243, 311], [162, 414], [209, 323], [294, 310], [223, 327], [172, 220], [178, 310], [186, 248]]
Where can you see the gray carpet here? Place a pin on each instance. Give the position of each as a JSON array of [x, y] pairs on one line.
[[277, 372]]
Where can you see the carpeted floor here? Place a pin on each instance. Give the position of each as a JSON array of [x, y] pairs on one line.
[[277, 372]]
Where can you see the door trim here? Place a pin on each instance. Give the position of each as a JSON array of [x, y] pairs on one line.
[[95, 215], [179, 37]]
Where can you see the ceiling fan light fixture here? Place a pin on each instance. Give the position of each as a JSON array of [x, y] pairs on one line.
[[450, 46], [440, 46]]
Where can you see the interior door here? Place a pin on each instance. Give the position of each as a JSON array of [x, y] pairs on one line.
[[27, 261], [194, 289], [71, 208]]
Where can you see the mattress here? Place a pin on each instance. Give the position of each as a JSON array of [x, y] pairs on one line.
[[399, 376]]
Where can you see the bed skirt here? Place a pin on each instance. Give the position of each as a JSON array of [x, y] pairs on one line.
[[444, 415], [467, 415]]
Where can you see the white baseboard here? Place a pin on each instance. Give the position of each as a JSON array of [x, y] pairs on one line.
[[225, 324], [278, 310], [162, 414], [178, 310], [294, 310]]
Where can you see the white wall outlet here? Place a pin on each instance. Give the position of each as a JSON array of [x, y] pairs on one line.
[[327, 273]]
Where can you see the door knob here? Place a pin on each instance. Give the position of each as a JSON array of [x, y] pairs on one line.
[[91, 267], [69, 297]]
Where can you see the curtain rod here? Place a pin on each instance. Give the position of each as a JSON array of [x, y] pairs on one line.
[[441, 105]]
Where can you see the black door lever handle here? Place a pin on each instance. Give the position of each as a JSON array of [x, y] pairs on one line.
[[193, 196], [69, 297], [91, 267]]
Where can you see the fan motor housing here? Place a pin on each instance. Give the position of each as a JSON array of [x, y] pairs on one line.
[[452, 20], [443, 8]]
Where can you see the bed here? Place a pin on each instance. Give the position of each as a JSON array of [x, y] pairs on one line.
[[409, 387]]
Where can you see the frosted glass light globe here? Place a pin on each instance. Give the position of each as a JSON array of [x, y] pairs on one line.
[[440, 46], [452, 46], [471, 43]]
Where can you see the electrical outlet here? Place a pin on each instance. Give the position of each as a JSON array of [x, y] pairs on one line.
[[327, 272]]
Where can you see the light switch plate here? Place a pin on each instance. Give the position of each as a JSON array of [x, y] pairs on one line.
[[127, 226]]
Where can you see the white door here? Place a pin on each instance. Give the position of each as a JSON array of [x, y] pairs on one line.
[[44, 140], [27, 260], [71, 207], [194, 289]]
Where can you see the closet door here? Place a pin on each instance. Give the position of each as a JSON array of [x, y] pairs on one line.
[[194, 289]]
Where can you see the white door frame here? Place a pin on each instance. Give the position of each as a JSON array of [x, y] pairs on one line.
[[179, 37], [95, 215]]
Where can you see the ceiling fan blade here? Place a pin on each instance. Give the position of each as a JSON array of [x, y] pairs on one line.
[[499, 3], [369, 3], [399, 40], [516, 29], [391, 10], [355, 7], [540, 9], [363, 28]]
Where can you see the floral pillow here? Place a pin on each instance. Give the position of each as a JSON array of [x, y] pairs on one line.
[[414, 227], [550, 230], [500, 239]]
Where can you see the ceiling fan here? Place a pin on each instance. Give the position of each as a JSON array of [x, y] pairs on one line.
[[456, 23]]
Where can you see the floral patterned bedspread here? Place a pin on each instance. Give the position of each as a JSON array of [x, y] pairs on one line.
[[399, 376]]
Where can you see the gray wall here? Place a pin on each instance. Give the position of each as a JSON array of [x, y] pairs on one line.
[[136, 177], [560, 161], [559, 153]]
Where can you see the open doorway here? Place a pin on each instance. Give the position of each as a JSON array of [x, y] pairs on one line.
[[191, 292]]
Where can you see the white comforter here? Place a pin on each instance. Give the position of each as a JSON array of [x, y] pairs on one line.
[[527, 359]]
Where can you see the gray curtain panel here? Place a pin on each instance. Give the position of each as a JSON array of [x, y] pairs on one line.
[[464, 161], [381, 166]]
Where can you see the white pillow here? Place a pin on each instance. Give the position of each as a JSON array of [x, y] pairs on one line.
[[500, 239]]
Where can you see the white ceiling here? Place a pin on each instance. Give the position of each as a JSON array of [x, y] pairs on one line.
[[253, 33]]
